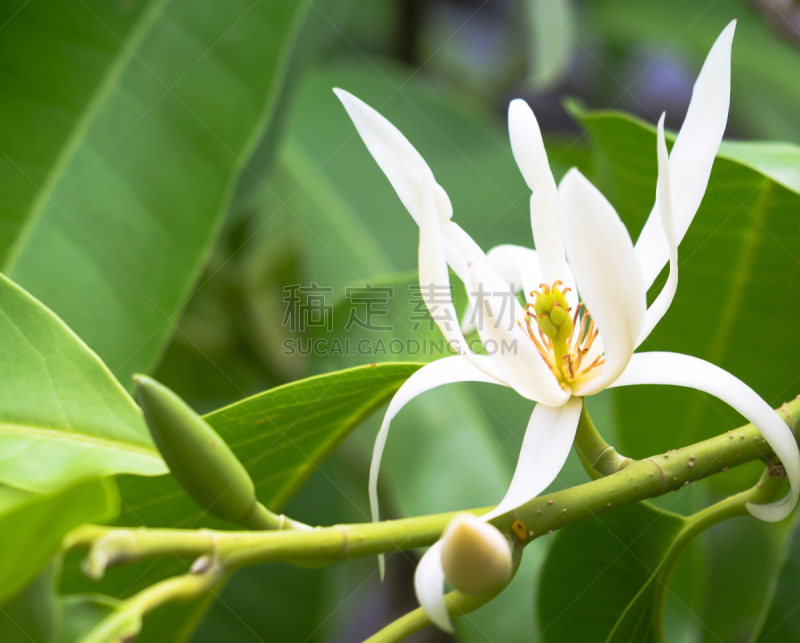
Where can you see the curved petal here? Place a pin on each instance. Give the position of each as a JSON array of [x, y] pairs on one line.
[[609, 279], [519, 268], [429, 588], [528, 147], [434, 282], [664, 205], [428, 204], [548, 440], [531, 157], [692, 155], [683, 370], [510, 347], [448, 370], [405, 168], [465, 256]]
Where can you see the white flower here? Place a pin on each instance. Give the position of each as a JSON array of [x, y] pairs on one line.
[[582, 248]]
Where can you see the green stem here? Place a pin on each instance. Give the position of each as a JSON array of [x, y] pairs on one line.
[[597, 456], [766, 490], [110, 546], [125, 621], [259, 518], [458, 604], [639, 480]]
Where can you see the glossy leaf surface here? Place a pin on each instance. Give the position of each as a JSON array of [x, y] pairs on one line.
[[35, 525], [111, 240], [598, 577], [62, 414]]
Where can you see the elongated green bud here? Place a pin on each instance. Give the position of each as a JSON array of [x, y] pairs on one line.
[[199, 459], [476, 557]]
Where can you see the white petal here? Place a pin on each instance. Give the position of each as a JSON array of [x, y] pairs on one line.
[[429, 587], [405, 168], [434, 279], [448, 370], [528, 147], [465, 256], [545, 448], [609, 279], [430, 207], [692, 155], [510, 347], [664, 206], [683, 370], [519, 268], [531, 157]]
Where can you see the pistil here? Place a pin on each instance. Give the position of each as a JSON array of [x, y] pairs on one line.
[[562, 342]]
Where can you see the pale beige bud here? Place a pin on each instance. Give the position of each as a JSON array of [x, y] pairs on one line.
[[476, 557]]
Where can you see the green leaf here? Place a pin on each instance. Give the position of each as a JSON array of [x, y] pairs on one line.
[[278, 602], [779, 619], [62, 414], [81, 613], [598, 570], [35, 614], [440, 422], [778, 161], [142, 165], [742, 244], [31, 530], [283, 434], [46, 105]]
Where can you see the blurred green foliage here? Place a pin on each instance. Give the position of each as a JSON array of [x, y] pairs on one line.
[[170, 167]]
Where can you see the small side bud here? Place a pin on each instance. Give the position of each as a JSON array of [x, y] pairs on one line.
[[476, 557], [197, 456]]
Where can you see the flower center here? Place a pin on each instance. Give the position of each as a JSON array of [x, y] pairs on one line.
[[565, 338]]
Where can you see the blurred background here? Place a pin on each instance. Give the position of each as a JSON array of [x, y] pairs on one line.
[[311, 208]]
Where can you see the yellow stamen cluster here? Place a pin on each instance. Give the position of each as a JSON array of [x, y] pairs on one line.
[[561, 340]]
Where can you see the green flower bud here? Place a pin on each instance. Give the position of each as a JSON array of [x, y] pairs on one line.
[[552, 312], [476, 557], [199, 459]]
